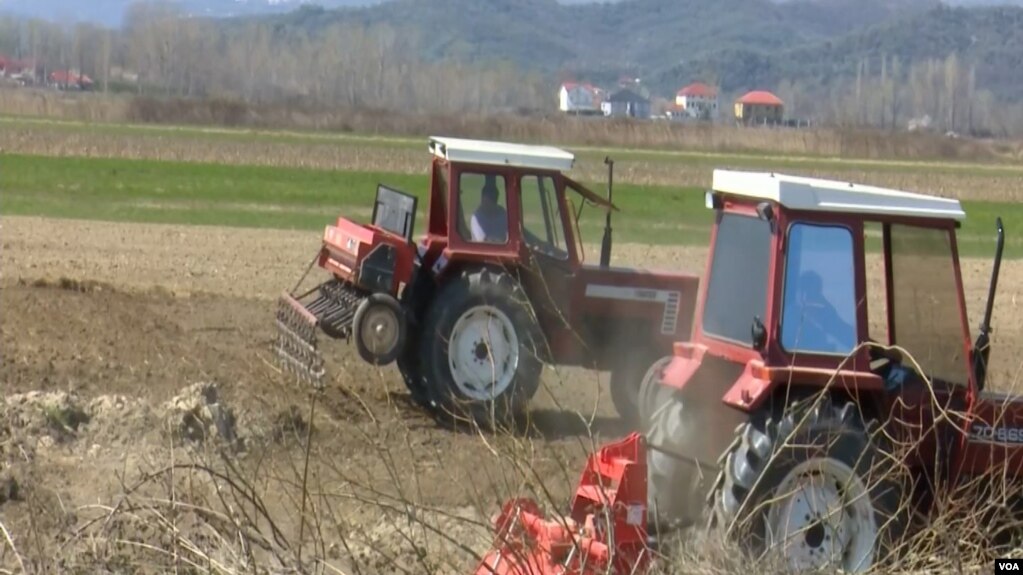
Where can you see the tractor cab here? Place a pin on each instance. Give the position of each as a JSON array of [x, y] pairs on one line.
[[505, 201], [805, 274]]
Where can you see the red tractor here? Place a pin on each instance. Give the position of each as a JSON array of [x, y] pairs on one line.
[[495, 288], [790, 417]]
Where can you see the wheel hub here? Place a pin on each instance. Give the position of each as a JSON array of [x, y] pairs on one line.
[[483, 353], [380, 333], [824, 517]]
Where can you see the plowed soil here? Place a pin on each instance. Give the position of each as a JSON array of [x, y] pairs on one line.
[[130, 315]]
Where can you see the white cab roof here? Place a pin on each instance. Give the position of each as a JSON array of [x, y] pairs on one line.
[[801, 193], [502, 154]]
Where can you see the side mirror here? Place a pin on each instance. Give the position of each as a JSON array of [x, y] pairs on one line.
[[766, 212], [759, 333]]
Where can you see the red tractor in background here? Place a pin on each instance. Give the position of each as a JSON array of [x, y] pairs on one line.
[[789, 417], [495, 288]]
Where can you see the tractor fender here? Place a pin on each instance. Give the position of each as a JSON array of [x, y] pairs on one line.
[[751, 389], [758, 383], [747, 393], [450, 264]]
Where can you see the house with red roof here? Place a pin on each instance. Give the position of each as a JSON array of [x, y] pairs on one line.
[[15, 68], [759, 107], [579, 98], [697, 100], [69, 80]]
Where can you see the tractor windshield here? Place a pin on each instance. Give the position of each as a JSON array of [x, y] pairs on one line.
[[542, 224], [737, 287], [925, 302]]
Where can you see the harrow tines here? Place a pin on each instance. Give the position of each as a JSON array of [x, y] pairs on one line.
[[295, 347]]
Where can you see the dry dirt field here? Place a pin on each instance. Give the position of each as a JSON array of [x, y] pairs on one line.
[[136, 366]]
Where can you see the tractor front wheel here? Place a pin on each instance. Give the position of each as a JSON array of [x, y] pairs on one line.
[[813, 487], [677, 454], [481, 347], [379, 329], [627, 382]]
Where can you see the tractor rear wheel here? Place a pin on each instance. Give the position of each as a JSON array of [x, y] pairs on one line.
[[481, 347], [814, 486], [627, 381], [412, 301]]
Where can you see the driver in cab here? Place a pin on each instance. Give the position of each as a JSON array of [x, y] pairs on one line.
[[490, 220]]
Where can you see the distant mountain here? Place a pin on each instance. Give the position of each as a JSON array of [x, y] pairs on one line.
[[742, 44], [111, 12], [603, 40], [991, 37]]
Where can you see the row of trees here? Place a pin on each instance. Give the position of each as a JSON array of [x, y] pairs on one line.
[[380, 67], [339, 64], [889, 93]]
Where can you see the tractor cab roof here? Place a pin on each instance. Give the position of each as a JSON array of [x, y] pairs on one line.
[[813, 194], [502, 154]]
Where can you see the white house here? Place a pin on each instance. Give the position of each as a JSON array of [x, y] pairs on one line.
[[698, 100], [576, 98]]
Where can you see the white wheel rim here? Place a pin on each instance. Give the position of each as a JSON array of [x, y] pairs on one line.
[[823, 516], [483, 353], [379, 330]]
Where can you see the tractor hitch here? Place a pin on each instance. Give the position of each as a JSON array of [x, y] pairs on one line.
[[331, 307], [604, 533]]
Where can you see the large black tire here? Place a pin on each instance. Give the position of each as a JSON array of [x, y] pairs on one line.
[[823, 441], [677, 453], [412, 300], [627, 380], [497, 314]]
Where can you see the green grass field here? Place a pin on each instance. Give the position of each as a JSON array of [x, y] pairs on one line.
[[300, 198]]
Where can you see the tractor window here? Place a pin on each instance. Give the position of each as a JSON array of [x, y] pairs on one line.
[[542, 225], [819, 309], [484, 208], [737, 287], [925, 304]]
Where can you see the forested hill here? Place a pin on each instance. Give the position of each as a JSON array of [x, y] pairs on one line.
[[740, 43]]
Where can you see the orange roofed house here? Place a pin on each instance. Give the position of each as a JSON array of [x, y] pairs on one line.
[[697, 100], [759, 107]]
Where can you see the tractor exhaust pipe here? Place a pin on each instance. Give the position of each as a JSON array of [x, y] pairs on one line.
[[605, 245], [982, 349]]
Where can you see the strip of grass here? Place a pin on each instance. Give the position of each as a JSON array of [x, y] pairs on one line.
[[752, 160], [296, 198]]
